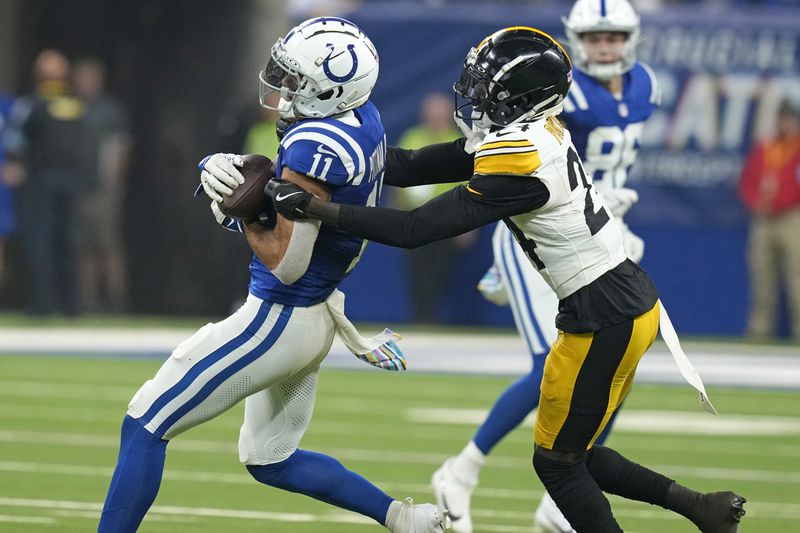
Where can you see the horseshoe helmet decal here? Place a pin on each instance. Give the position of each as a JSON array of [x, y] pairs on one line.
[[349, 75]]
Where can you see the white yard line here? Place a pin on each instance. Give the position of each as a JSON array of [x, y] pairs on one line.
[[339, 517], [468, 353], [641, 421], [26, 519], [395, 456], [91, 510], [62, 390], [666, 441]]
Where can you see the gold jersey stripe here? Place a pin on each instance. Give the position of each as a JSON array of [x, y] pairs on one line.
[[504, 144], [473, 191], [514, 163], [507, 150]]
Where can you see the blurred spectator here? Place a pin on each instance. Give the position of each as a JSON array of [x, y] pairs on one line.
[[261, 137], [770, 189], [6, 201], [429, 266], [100, 208], [44, 142]]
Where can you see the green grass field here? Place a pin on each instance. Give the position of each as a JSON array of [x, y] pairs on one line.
[[59, 424]]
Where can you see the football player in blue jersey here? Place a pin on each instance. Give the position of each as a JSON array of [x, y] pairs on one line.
[[528, 174], [7, 222], [268, 353], [610, 98]]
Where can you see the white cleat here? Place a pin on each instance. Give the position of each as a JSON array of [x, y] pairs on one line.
[[422, 518], [548, 518], [453, 494]]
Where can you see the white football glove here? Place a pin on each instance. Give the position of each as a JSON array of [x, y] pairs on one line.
[[219, 176], [632, 243], [619, 200], [229, 223], [492, 286]]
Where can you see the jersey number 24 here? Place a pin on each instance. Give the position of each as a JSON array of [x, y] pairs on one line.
[[595, 220]]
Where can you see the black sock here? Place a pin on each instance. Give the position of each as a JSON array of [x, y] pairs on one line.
[[617, 475], [576, 494]]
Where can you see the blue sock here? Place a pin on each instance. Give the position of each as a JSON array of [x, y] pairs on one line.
[[324, 478], [511, 407], [136, 479]]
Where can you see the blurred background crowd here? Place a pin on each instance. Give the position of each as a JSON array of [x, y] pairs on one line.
[[106, 108]]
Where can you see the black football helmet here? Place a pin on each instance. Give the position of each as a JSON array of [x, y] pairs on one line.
[[516, 74]]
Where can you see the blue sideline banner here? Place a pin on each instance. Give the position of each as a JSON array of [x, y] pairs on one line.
[[723, 76], [722, 73]]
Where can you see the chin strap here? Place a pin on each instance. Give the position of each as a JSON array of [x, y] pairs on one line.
[[607, 71], [474, 134]]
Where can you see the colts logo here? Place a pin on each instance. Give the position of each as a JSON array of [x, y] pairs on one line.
[[349, 75]]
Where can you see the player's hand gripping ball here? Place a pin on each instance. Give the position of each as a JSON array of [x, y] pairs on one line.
[[248, 201]]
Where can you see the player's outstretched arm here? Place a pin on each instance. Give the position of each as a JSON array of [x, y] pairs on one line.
[[484, 200], [286, 248], [435, 163]]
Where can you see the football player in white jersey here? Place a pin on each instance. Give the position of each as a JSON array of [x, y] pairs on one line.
[[528, 174], [610, 98], [268, 352]]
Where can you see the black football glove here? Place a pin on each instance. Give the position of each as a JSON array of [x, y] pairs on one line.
[[280, 127], [290, 200]]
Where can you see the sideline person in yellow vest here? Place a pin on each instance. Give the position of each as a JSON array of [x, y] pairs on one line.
[[428, 266]]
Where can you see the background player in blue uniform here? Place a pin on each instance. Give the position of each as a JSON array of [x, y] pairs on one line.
[[7, 223], [610, 98], [270, 350]]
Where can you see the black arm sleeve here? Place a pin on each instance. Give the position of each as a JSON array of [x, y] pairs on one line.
[[436, 163], [466, 207]]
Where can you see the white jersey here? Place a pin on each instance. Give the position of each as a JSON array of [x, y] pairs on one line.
[[569, 239]]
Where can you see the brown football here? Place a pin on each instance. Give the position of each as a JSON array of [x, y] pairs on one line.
[[248, 199]]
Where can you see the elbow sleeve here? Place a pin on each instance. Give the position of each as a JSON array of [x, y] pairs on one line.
[[295, 261]]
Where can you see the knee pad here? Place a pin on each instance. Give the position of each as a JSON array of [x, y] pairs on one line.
[[553, 466], [558, 456]]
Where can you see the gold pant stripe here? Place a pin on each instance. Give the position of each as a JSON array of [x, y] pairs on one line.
[[558, 382], [564, 364], [645, 328]]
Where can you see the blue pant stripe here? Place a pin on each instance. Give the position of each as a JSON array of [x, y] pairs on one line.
[[273, 335], [206, 362], [528, 307]]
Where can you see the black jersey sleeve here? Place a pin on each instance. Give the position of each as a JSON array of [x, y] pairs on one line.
[[483, 200], [436, 163]]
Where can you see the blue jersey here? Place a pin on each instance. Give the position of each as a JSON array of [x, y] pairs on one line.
[[6, 207], [606, 131], [349, 158]]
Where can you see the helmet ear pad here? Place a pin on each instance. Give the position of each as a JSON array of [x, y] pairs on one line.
[[507, 111]]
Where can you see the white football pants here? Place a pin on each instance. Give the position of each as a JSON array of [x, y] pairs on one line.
[[532, 301], [265, 352]]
